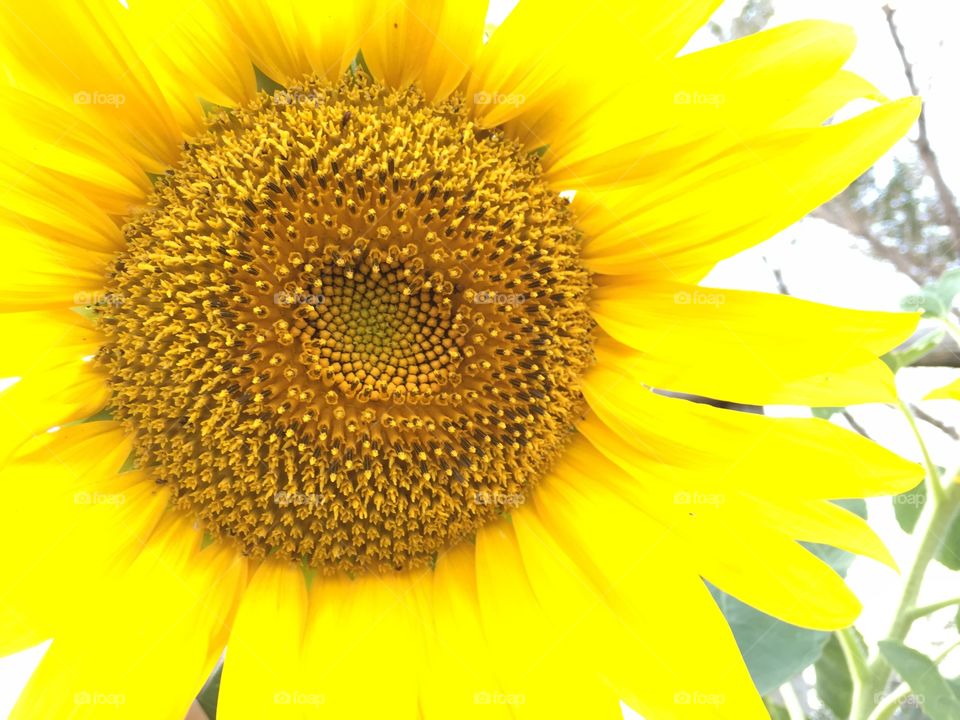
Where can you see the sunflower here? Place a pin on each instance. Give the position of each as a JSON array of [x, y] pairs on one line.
[[359, 346]]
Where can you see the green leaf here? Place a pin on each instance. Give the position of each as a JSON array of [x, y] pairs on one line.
[[265, 83], [915, 351], [834, 683], [908, 505], [924, 679], [935, 298], [825, 413], [776, 651], [949, 552], [211, 693]]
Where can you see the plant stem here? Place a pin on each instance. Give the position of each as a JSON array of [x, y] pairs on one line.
[[888, 706], [854, 654], [890, 703], [924, 610], [931, 530], [788, 693], [934, 482], [952, 328]]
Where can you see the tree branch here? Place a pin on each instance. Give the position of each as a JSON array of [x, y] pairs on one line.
[[948, 201], [837, 213]]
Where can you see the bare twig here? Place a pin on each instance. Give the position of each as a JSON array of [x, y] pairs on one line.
[[948, 201], [938, 424], [838, 213], [857, 427]]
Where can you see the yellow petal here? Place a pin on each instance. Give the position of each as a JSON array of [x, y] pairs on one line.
[[749, 347], [263, 652], [289, 39], [166, 616], [49, 396], [638, 636], [42, 134], [950, 391], [680, 229], [137, 73], [79, 539], [700, 104], [463, 673], [824, 522], [45, 337], [66, 504], [532, 657], [823, 101], [775, 457], [372, 623], [759, 565], [187, 47], [430, 42], [546, 56]]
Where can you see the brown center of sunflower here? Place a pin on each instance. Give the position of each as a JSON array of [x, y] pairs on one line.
[[350, 326]]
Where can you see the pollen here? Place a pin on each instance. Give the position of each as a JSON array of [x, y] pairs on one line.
[[349, 327]]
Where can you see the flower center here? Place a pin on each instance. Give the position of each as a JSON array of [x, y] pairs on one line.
[[349, 327]]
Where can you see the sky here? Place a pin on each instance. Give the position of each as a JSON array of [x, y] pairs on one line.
[[822, 263]]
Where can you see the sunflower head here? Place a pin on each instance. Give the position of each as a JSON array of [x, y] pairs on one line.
[[349, 325], [379, 370]]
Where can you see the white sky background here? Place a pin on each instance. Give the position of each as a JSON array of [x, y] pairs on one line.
[[822, 263]]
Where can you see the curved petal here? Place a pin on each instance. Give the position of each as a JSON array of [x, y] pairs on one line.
[[715, 532], [430, 42], [950, 391], [362, 628], [724, 449], [638, 611], [264, 649], [748, 347], [700, 104], [114, 657], [462, 681], [137, 72], [544, 57], [84, 519], [289, 39], [45, 337], [532, 657], [681, 228], [48, 396], [42, 134]]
